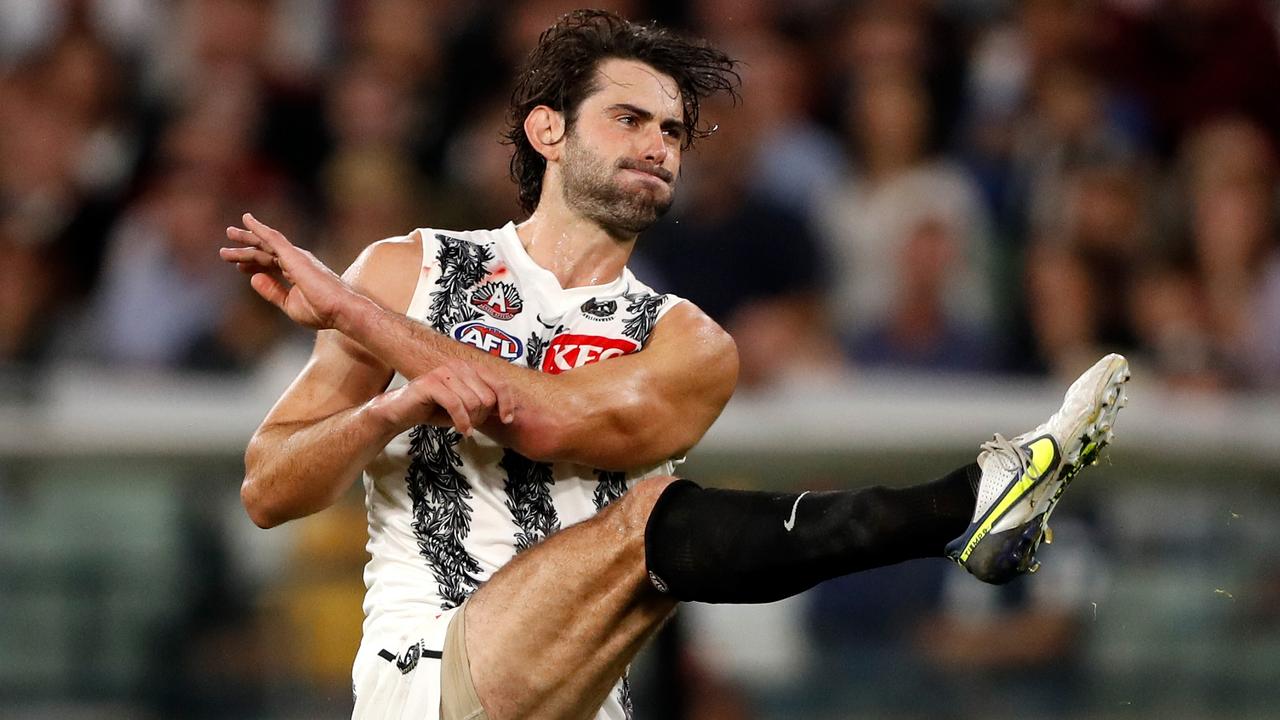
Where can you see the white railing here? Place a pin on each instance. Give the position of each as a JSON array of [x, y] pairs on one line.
[[78, 411]]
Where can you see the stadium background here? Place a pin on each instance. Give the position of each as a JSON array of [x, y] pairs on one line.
[[922, 218]]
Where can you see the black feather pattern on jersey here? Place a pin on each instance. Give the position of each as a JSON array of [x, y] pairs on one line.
[[624, 696], [611, 486], [441, 515], [462, 267], [644, 315], [528, 489], [536, 346]]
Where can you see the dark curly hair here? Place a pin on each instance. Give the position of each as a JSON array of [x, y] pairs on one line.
[[561, 72]]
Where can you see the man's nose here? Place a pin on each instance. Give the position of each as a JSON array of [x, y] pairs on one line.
[[655, 146]]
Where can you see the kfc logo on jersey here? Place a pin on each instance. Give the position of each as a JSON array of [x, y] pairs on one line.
[[489, 339], [567, 352], [498, 299], [599, 309]]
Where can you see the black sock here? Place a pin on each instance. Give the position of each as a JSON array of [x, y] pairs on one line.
[[736, 546]]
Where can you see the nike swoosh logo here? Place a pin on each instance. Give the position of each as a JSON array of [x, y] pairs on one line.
[[790, 522]]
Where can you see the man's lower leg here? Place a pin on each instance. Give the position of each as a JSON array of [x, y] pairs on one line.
[[726, 546], [737, 546]]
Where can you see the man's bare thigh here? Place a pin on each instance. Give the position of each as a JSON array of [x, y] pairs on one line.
[[553, 630]]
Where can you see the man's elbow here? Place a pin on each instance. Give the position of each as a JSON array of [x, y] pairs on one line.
[[628, 434], [258, 490], [540, 441], [634, 436], [563, 433], [259, 508]]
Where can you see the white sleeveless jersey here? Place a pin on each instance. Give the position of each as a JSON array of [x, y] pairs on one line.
[[445, 512]]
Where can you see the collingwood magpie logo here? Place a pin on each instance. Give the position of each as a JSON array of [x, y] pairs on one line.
[[599, 309], [406, 662], [498, 299]]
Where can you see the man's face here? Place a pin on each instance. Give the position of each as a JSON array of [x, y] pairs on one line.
[[622, 156]]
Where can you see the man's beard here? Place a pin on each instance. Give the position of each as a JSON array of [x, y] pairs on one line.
[[591, 189]]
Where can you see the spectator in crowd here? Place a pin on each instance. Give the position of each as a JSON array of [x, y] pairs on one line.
[[478, 190], [1088, 247], [67, 154], [794, 156], [370, 107], [1211, 317], [1037, 106], [398, 81], [896, 194], [27, 295], [916, 331], [130, 27], [369, 194], [242, 337], [1191, 61], [1072, 121], [157, 294], [358, 117]]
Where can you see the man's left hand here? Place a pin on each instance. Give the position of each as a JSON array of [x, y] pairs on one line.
[[287, 276]]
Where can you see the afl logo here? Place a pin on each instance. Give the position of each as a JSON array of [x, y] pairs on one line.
[[567, 352], [500, 300], [599, 309], [489, 339]]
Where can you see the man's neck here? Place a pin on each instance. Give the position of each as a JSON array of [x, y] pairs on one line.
[[576, 250]]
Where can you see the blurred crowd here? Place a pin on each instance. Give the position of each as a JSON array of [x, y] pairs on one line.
[[941, 185]]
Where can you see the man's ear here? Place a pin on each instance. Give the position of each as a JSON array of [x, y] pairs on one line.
[[544, 128]]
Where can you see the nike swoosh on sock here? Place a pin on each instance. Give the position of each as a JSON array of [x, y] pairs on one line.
[[790, 522]]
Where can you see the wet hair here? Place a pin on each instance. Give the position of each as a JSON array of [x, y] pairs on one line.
[[561, 72]]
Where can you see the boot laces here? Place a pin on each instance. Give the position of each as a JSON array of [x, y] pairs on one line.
[[1012, 456]]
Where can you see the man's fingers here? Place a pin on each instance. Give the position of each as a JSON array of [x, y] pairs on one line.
[[488, 399], [248, 256], [446, 398], [505, 401], [463, 382], [485, 397], [270, 287], [271, 238], [245, 237], [289, 257]]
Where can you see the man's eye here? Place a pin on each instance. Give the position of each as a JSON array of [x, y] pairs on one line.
[[627, 119]]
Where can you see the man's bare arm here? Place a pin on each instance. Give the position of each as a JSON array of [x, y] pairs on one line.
[[320, 433], [335, 418], [626, 412]]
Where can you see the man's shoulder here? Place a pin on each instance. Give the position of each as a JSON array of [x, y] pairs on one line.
[[685, 322], [395, 253], [387, 270]]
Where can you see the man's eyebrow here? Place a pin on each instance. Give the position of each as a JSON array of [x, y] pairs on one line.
[[667, 124], [637, 111]]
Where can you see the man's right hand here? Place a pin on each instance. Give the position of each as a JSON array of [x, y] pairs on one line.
[[453, 394], [287, 276]]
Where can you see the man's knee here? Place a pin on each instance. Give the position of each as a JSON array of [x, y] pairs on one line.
[[629, 515]]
